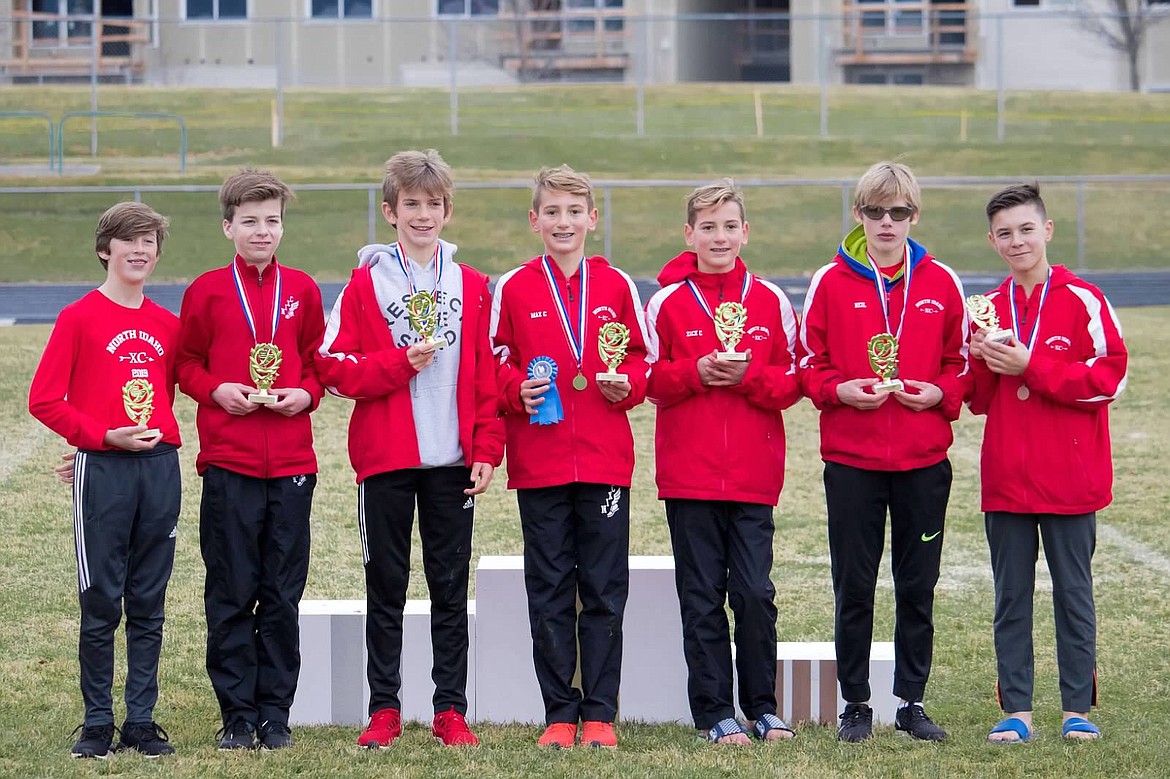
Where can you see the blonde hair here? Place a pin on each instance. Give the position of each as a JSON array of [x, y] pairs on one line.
[[714, 195], [252, 186], [885, 182], [561, 179], [417, 171], [127, 221]]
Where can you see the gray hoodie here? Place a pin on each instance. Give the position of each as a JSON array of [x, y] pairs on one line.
[[432, 391]]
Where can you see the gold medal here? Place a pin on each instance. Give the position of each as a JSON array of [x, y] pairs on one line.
[[1023, 393], [579, 382]]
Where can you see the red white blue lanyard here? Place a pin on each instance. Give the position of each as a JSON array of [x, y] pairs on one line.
[[243, 295], [406, 271], [1035, 320], [702, 301], [879, 282], [575, 341]]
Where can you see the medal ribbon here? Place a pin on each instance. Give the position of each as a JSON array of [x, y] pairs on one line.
[[243, 295], [879, 282], [1035, 320], [575, 342], [404, 263], [702, 301]]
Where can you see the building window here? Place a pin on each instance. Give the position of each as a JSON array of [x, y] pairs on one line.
[[1019, 3], [55, 32], [468, 7], [341, 9], [216, 9]]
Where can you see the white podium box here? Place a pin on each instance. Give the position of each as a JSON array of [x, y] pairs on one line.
[[501, 682], [332, 689]]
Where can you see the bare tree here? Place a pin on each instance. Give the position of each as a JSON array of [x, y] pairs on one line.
[[1122, 25]]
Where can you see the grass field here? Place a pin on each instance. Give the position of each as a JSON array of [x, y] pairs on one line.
[[693, 132], [38, 665]]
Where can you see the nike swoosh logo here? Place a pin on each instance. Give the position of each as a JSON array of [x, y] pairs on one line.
[[926, 538]]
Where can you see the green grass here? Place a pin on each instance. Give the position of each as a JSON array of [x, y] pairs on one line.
[[693, 132], [38, 661]]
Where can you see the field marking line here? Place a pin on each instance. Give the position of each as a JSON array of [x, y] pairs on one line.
[[13, 457], [1135, 549]]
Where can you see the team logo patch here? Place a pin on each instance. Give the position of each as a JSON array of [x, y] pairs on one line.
[[759, 333], [290, 307], [1058, 343], [537, 314], [612, 502], [605, 313], [929, 306], [694, 333], [859, 304]]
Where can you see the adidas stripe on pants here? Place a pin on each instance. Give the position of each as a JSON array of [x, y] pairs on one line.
[[125, 522]]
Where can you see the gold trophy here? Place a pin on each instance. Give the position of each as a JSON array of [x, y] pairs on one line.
[[612, 341], [422, 310], [730, 320], [883, 358], [263, 365], [138, 399], [983, 312]]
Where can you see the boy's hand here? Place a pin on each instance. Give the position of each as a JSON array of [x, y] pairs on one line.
[[420, 356], [232, 397], [1010, 359], [481, 477], [976, 343], [714, 372], [293, 400], [614, 391], [855, 393], [123, 438], [927, 396], [530, 393], [64, 471]]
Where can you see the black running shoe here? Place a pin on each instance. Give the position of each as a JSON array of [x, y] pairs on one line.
[[95, 741], [237, 734], [912, 719], [856, 723], [275, 735], [145, 737]]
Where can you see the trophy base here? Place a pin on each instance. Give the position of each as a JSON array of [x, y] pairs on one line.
[[890, 385], [614, 376], [146, 435], [731, 356], [432, 343], [262, 399], [998, 336]]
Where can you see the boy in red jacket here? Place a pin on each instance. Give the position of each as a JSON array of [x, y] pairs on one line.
[[571, 452], [106, 376], [248, 334], [408, 340], [1046, 463], [883, 344], [719, 444]]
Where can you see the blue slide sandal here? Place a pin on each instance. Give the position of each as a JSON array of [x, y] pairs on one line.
[[1079, 725], [1011, 725]]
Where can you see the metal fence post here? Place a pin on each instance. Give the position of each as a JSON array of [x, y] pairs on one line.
[[607, 221], [452, 44], [846, 210], [278, 131], [1081, 225], [372, 215], [1000, 97], [643, 72], [823, 74]]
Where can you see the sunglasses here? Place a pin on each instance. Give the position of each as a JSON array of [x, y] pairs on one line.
[[897, 213]]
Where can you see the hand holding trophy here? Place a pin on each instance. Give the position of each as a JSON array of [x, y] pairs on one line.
[[730, 321], [613, 339], [263, 365], [883, 359], [983, 312], [422, 311], [138, 400]]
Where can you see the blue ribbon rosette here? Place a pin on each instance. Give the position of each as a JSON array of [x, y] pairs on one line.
[[550, 411]]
